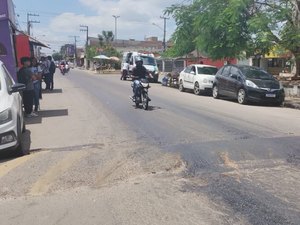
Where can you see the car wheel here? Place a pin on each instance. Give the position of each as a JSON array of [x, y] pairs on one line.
[[242, 96], [215, 92], [181, 88], [23, 126], [278, 103], [21, 151], [197, 90]]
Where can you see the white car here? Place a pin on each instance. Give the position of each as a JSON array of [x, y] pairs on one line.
[[12, 123], [197, 77]]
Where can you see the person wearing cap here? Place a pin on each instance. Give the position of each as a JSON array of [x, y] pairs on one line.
[[26, 77]]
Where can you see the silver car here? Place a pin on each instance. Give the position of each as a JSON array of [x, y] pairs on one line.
[[12, 123]]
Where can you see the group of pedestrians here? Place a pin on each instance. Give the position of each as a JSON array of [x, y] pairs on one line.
[[31, 74]]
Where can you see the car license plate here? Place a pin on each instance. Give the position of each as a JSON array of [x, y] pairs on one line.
[[270, 95]]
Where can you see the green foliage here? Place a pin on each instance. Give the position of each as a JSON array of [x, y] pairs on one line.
[[221, 27], [230, 28], [104, 47], [111, 51], [92, 51], [184, 36], [57, 56], [106, 38]]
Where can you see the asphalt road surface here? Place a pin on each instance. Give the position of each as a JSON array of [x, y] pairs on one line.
[[234, 164]]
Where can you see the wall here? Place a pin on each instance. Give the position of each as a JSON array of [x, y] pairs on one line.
[[22, 46], [7, 32]]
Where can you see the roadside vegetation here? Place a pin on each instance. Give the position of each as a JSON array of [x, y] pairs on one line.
[[237, 28]]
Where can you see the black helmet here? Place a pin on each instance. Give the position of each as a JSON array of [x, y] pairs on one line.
[[138, 61]]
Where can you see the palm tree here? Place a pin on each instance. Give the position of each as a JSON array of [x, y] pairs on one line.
[[108, 36]]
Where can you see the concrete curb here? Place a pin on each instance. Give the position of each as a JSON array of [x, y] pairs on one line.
[[290, 104]]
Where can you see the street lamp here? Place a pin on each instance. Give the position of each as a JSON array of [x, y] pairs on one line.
[[164, 38], [154, 24], [116, 21]]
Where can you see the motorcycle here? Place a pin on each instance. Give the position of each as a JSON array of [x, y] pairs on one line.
[[64, 69], [141, 94]]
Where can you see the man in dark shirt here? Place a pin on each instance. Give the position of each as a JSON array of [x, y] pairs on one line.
[[139, 72], [25, 76]]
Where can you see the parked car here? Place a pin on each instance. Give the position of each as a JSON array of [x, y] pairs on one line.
[[247, 84], [12, 123], [197, 77]]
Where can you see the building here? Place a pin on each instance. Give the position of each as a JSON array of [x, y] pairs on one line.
[[14, 44], [8, 31], [150, 44]]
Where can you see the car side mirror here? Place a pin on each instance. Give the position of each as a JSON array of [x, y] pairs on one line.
[[193, 72], [17, 88]]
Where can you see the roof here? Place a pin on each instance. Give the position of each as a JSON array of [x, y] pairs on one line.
[[37, 42], [34, 41]]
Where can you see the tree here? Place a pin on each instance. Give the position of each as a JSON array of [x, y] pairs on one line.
[[57, 56], [185, 34], [229, 28], [92, 51], [106, 38], [104, 47]]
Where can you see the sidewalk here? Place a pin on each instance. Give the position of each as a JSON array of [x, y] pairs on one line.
[[292, 102], [65, 122]]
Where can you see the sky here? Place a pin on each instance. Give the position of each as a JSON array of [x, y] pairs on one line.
[[61, 19]]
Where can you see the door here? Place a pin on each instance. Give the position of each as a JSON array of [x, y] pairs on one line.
[[15, 98], [190, 77], [184, 76], [234, 81], [223, 81]]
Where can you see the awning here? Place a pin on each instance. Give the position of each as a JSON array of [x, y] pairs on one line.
[[36, 42]]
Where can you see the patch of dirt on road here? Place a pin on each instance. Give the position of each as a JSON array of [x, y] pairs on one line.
[[143, 162]]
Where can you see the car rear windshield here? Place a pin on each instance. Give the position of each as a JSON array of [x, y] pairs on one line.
[[255, 73], [207, 70]]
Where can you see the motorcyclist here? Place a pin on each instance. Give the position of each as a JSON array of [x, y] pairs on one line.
[[139, 72]]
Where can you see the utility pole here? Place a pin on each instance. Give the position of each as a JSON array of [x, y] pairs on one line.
[[116, 23], [75, 47], [165, 28], [86, 29], [30, 22]]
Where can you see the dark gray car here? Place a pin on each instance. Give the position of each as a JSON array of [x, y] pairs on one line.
[[247, 83]]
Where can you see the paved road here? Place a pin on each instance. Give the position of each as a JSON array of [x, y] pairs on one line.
[[256, 148], [187, 160]]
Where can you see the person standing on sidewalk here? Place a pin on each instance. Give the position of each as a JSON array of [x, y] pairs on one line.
[[51, 71], [46, 73], [37, 71], [25, 76]]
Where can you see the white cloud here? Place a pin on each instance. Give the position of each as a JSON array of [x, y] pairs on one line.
[[136, 19]]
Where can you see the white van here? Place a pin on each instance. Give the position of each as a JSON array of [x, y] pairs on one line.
[[149, 62]]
